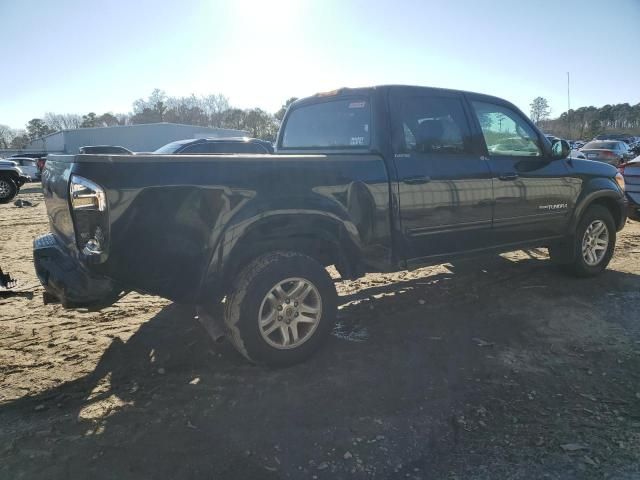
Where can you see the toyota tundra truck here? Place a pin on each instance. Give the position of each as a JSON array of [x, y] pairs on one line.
[[375, 179]]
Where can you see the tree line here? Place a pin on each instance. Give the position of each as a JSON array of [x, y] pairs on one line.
[[215, 111], [585, 123], [205, 111]]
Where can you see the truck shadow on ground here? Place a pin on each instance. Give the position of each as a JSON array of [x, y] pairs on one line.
[[383, 397]]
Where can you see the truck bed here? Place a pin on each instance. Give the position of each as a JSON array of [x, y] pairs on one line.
[[169, 214]]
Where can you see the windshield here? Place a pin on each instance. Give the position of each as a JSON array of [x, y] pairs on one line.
[[334, 124]]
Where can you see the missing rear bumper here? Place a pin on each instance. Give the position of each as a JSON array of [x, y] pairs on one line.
[[67, 281]]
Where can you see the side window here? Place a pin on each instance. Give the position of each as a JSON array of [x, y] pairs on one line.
[[506, 132], [197, 148], [224, 147], [241, 147], [434, 125]]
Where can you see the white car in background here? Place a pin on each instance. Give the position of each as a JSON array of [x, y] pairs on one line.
[[11, 179], [577, 154], [29, 167]]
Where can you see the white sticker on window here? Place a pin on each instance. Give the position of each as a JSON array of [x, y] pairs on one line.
[[357, 104], [357, 141]]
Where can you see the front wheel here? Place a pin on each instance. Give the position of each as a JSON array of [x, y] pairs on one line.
[[8, 190], [594, 243], [282, 307]]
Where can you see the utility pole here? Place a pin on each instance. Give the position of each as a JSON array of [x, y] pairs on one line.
[[568, 108]]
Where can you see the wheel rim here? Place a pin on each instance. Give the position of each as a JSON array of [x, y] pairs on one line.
[[595, 242], [5, 189], [290, 313]]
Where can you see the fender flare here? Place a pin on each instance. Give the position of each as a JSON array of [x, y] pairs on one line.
[[288, 226], [597, 189]]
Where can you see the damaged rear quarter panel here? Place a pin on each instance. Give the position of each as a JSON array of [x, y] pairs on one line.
[[174, 219]]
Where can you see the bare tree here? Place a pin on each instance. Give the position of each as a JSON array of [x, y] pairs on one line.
[[7, 134], [214, 105], [62, 121], [123, 118], [21, 140], [540, 110]]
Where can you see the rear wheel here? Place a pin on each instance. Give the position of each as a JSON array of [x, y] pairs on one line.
[[593, 245], [8, 189], [282, 307]]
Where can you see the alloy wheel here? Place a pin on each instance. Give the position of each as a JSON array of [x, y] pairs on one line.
[[290, 313], [595, 243]]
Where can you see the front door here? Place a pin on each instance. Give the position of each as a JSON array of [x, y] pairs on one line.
[[534, 194], [444, 186]]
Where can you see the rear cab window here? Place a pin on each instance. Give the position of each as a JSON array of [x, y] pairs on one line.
[[340, 123]]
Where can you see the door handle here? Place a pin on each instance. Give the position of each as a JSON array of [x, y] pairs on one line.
[[417, 180], [508, 176]]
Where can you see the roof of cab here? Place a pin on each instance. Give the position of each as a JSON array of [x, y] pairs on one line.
[[346, 91]]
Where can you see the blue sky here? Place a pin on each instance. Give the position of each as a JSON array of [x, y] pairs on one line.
[[72, 56]]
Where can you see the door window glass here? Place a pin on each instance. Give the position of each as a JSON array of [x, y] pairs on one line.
[[434, 125], [505, 132], [204, 147]]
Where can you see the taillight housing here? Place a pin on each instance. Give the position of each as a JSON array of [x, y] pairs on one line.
[[620, 181], [90, 217]]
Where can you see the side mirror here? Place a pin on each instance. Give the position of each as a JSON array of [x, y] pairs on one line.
[[560, 149]]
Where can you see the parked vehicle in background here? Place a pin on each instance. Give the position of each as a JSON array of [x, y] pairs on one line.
[[631, 174], [11, 179], [105, 149], [623, 137], [29, 167], [368, 180], [39, 157], [575, 153], [216, 145], [612, 152]]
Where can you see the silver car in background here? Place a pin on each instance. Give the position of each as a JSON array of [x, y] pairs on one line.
[[29, 167], [612, 152]]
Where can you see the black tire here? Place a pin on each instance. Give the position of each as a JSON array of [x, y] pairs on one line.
[[8, 189], [243, 307], [575, 263]]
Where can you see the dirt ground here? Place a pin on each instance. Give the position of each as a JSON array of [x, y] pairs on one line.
[[499, 367]]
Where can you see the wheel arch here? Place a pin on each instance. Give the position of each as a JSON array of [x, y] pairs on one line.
[[605, 193], [322, 236]]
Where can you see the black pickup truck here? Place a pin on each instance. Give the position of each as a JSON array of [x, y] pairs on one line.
[[369, 180]]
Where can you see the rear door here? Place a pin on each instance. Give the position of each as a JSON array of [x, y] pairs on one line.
[[534, 195], [443, 184]]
